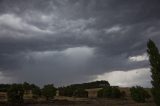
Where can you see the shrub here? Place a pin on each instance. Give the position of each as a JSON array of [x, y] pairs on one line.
[[115, 93], [80, 93], [156, 95], [138, 94], [66, 91], [105, 92], [109, 92]]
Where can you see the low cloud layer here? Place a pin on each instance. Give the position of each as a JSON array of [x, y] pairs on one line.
[[68, 41], [128, 78]]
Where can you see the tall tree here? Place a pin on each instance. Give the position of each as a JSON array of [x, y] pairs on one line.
[[154, 58], [49, 91]]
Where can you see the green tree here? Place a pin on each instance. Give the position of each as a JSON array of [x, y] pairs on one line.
[[49, 91], [138, 94], [154, 58], [15, 94], [36, 91], [4, 87], [26, 86]]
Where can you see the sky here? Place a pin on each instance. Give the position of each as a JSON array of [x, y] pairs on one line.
[[74, 41]]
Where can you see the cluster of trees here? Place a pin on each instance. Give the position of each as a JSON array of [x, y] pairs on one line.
[[4, 87], [78, 90], [15, 92], [110, 92]]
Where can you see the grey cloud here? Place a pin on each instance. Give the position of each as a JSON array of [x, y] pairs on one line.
[[33, 27]]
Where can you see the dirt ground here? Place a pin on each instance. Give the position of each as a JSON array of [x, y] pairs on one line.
[[97, 102]]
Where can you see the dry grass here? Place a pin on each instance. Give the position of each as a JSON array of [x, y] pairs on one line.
[[98, 102]]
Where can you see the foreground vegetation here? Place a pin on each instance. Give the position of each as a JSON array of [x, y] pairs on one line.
[[139, 94]]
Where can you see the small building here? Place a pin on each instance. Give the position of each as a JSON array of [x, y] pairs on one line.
[[28, 94], [57, 93], [93, 93], [3, 96]]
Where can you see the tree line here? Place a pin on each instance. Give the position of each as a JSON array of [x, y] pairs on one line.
[[78, 90], [15, 92]]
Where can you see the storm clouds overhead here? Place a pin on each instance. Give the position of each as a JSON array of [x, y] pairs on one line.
[[74, 41]]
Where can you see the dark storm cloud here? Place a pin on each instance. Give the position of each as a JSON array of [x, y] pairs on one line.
[[64, 40]]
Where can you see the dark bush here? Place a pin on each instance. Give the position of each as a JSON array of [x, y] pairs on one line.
[[156, 97], [115, 93], [105, 92], [66, 91], [109, 92], [123, 93], [49, 91], [138, 94], [80, 93], [15, 94]]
